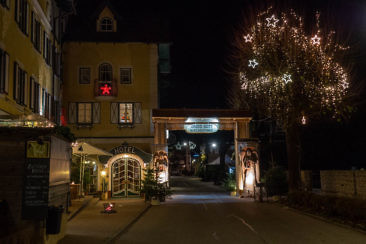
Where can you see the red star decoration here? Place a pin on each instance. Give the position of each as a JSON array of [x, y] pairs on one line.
[[106, 90]]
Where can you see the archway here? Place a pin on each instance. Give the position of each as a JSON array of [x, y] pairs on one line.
[[210, 121]]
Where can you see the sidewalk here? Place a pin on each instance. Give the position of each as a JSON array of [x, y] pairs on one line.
[[91, 226]]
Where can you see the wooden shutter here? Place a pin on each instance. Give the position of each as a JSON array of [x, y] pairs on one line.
[[25, 18], [72, 113], [114, 113], [25, 89], [96, 113], [137, 113], [6, 75], [16, 82]]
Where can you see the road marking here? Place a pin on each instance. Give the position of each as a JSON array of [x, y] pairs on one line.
[[247, 225]]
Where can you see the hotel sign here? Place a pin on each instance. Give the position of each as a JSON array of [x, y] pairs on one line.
[[201, 125]]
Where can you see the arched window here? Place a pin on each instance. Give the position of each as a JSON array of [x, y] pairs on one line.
[[106, 24], [105, 72]]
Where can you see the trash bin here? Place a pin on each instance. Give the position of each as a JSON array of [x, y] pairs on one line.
[[54, 219]]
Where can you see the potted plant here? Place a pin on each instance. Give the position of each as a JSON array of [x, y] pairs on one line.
[[152, 190]]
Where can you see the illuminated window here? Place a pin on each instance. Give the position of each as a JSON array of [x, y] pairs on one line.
[[125, 75], [84, 75], [126, 113], [106, 25], [105, 72], [84, 113]]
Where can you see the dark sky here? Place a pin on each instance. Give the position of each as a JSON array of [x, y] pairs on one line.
[[201, 33]]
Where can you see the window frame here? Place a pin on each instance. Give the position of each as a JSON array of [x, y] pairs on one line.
[[77, 113], [4, 72], [22, 15], [100, 74], [83, 68], [103, 26], [130, 75], [119, 113]]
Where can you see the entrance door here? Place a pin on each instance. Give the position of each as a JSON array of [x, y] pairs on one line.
[[126, 177]]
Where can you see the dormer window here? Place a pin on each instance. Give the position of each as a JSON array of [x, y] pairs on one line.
[[106, 25]]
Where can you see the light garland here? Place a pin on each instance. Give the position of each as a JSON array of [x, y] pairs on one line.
[[319, 82]]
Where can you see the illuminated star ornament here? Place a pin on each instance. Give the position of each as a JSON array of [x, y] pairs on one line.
[[106, 90], [272, 21], [315, 40], [248, 38], [252, 63], [286, 78]]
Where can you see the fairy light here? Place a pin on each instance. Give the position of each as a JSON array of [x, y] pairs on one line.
[[272, 21], [303, 120], [248, 38], [315, 40], [253, 63], [320, 81]]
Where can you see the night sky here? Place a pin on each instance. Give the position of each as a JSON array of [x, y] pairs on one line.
[[202, 31]]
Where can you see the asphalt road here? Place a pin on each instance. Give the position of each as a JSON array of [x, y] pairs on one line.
[[200, 212]]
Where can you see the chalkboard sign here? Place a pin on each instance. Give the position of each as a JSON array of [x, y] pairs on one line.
[[36, 183]]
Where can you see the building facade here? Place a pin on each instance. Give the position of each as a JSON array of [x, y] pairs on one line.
[[30, 61], [111, 70]]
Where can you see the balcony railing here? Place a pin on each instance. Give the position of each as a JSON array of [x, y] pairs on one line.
[[105, 88]]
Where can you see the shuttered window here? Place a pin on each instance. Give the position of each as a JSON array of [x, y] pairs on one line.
[[84, 113], [4, 72], [21, 15], [126, 113], [20, 92]]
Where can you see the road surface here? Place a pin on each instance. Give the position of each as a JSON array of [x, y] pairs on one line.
[[200, 212]]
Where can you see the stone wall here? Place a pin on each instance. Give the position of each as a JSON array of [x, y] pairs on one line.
[[350, 183]]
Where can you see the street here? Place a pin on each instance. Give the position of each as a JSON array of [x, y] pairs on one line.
[[200, 212]]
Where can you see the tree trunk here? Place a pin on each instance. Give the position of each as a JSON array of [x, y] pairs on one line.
[[293, 153]]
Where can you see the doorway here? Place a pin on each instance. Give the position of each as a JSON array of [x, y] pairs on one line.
[[126, 177]]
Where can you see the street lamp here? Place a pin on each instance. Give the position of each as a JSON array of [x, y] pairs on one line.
[[213, 145]]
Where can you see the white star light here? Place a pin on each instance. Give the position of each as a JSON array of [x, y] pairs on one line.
[[286, 78], [272, 21], [252, 63], [315, 40], [248, 38], [244, 86]]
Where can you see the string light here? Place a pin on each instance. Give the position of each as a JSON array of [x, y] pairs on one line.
[[272, 21], [248, 38], [315, 40], [320, 83], [303, 120], [252, 63]]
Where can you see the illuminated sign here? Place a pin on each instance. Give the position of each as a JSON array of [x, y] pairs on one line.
[[105, 89], [201, 125]]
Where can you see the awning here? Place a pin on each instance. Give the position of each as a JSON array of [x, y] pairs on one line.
[[84, 148]]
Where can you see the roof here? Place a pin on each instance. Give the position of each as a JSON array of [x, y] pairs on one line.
[[201, 113], [135, 23]]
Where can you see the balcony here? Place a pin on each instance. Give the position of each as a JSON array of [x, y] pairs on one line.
[[105, 90]]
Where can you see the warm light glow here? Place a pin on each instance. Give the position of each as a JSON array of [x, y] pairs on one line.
[[248, 38], [315, 40], [249, 179], [271, 22], [303, 120], [103, 173]]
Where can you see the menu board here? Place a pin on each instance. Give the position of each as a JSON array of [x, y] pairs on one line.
[[36, 181]]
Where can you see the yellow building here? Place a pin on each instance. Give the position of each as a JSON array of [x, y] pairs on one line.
[[110, 88], [30, 67]]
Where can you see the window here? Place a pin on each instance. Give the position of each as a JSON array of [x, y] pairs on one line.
[[46, 48], [5, 3], [106, 25], [125, 75], [84, 113], [21, 15], [84, 76], [36, 33], [34, 91], [105, 72], [125, 113], [20, 93], [4, 72]]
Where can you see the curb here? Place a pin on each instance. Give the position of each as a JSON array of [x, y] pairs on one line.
[[128, 226], [85, 204]]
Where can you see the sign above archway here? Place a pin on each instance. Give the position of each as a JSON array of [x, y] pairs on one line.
[[201, 125]]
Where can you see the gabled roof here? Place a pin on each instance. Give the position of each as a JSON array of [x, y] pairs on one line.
[[134, 23]]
